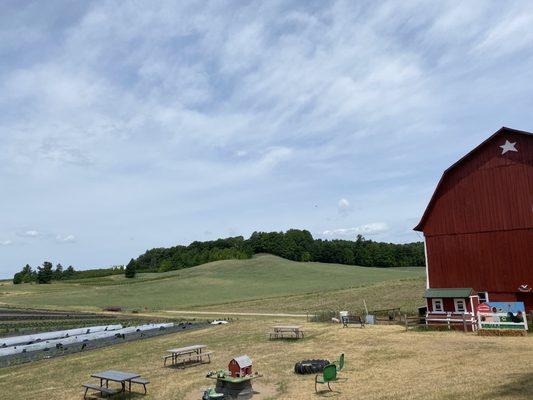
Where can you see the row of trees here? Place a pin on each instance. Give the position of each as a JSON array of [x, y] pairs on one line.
[[46, 273], [179, 257], [297, 245], [43, 274]]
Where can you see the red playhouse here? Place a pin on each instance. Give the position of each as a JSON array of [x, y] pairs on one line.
[[478, 231], [240, 367]]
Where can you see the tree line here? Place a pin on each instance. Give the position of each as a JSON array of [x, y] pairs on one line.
[[179, 257], [299, 245], [295, 244], [46, 273]]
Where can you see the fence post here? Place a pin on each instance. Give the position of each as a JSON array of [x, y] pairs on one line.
[[406, 325], [464, 322]]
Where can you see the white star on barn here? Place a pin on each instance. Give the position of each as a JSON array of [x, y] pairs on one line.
[[508, 146]]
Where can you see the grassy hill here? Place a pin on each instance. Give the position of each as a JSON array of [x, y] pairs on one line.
[[265, 283]]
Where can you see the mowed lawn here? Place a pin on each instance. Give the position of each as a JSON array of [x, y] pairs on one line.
[[382, 362], [271, 282]]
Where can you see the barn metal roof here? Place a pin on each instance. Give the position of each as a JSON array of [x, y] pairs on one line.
[[243, 361], [448, 292], [500, 131]]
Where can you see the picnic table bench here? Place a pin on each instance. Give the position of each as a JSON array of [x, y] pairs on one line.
[[286, 332], [352, 319], [115, 376], [188, 355], [101, 389]]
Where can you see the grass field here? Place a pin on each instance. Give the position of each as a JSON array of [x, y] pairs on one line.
[[383, 362], [263, 283]]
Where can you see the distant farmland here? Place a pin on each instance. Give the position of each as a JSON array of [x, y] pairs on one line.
[[264, 282]]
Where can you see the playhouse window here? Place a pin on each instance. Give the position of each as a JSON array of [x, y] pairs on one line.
[[460, 305], [483, 297], [437, 305]]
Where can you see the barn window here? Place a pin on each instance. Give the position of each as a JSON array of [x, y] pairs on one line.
[[483, 297], [437, 305], [460, 305]]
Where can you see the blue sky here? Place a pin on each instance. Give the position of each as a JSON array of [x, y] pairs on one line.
[[132, 125]]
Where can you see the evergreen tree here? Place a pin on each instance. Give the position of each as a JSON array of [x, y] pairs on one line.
[[17, 278], [45, 273], [28, 275], [69, 272], [58, 273], [130, 271]]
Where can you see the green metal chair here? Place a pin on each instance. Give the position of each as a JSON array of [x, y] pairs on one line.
[[329, 374], [339, 363]]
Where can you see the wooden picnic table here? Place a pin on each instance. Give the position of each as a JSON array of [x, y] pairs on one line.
[[188, 353], [291, 331], [116, 376]]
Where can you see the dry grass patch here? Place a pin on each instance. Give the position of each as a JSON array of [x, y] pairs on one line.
[[383, 362]]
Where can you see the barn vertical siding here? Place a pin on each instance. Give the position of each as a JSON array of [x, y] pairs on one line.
[[478, 226], [497, 261], [487, 192]]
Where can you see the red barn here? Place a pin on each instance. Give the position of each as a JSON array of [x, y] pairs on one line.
[[478, 227], [240, 367]]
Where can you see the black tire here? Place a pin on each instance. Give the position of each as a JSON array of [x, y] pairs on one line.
[[310, 366]]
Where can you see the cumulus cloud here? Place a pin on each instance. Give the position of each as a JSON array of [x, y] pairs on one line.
[[366, 229], [6, 242]]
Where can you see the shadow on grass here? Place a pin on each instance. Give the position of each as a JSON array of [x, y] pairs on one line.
[[520, 386], [128, 395], [326, 394], [186, 364]]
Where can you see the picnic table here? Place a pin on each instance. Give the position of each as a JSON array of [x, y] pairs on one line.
[[287, 332], [187, 355], [115, 376]]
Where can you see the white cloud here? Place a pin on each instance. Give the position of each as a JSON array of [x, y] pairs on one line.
[[344, 206], [6, 242], [66, 238], [367, 229], [31, 233], [147, 105], [273, 156]]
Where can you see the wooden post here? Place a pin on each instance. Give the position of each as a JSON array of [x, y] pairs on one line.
[[406, 325], [464, 322], [366, 309]]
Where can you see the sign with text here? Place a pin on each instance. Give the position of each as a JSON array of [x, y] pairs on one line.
[[502, 315]]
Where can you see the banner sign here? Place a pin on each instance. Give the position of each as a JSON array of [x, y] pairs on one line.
[[502, 315]]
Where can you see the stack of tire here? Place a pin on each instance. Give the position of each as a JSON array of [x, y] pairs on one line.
[[310, 366]]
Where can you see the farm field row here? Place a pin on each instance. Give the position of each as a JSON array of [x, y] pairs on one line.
[[263, 283], [382, 362]]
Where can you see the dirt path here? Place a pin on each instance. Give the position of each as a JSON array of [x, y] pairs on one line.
[[236, 313]]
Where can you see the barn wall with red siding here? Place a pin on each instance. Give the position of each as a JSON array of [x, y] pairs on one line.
[[487, 191], [497, 261], [478, 225]]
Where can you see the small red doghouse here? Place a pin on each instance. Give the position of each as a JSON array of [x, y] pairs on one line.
[[240, 367]]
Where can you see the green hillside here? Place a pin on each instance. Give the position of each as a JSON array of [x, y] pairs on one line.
[[215, 284]]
